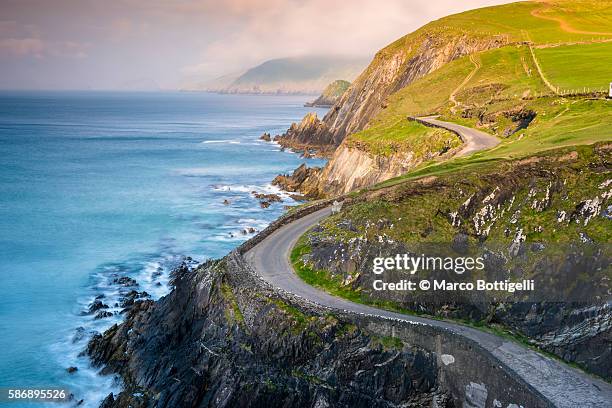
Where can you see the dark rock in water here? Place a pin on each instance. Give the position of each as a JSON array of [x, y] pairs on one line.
[[108, 402], [266, 136], [272, 198], [80, 402], [100, 296], [226, 202], [264, 204], [97, 305], [303, 179], [72, 370], [125, 281], [103, 314], [248, 230], [128, 299], [79, 334]]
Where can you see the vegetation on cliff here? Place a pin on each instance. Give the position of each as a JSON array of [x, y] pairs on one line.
[[331, 94]]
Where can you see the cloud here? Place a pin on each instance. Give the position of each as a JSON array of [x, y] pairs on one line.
[[96, 44], [25, 41], [22, 47], [293, 28], [37, 48]]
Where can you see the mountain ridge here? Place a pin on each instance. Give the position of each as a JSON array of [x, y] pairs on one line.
[[292, 75]]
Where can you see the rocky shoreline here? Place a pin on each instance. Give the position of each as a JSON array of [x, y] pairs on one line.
[[223, 338]]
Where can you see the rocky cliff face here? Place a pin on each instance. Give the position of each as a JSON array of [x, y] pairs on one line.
[[222, 338], [399, 64], [351, 168], [309, 134]]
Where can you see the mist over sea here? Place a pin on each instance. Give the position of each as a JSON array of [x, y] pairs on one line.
[[100, 185]]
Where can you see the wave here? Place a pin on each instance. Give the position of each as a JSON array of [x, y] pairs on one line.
[[103, 305], [221, 142]]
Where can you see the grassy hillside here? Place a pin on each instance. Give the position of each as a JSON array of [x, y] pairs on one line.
[[553, 69], [578, 66]]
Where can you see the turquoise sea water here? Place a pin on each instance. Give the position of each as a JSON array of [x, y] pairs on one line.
[[98, 184]]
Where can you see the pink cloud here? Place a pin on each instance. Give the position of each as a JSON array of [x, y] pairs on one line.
[[36, 47]]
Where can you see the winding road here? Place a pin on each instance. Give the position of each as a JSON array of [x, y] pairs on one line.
[[473, 139], [563, 386]]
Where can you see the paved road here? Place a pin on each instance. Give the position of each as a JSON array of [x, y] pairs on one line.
[[474, 140], [562, 385]]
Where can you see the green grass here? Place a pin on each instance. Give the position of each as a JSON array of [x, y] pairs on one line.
[[505, 73], [319, 279], [233, 313], [418, 209], [575, 67], [405, 135], [425, 95], [299, 319], [389, 131], [515, 19], [560, 122]]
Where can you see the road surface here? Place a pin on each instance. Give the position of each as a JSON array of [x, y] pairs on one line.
[[564, 386], [474, 140]]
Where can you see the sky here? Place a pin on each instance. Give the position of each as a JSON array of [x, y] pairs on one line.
[[169, 44]]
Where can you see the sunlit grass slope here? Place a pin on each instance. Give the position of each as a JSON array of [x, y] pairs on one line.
[[575, 67]]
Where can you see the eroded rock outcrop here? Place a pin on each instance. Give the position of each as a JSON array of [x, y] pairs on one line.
[[310, 135], [302, 180]]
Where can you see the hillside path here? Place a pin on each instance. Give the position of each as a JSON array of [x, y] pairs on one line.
[[563, 25], [467, 79], [563, 386]]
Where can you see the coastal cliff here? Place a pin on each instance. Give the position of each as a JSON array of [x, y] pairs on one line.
[[331, 94], [394, 67], [222, 338]]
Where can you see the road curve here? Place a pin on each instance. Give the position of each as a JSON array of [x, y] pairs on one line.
[[474, 140], [564, 386]]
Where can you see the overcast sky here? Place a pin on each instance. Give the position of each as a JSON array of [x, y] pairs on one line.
[[97, 44]]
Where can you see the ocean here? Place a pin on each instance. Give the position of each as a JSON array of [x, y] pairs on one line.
[[98, 186]]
